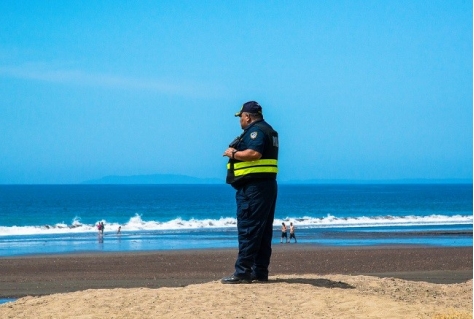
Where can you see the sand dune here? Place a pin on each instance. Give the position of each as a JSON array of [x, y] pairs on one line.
[[285, 296]]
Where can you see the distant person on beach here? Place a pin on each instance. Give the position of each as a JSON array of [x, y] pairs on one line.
[[284, 233], [101, 227], [292, 232], [118, 230], [252, 170]]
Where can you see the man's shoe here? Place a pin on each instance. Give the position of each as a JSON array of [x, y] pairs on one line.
[[235, 280]]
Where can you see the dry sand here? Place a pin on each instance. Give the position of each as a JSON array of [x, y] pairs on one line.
[[288, 296]]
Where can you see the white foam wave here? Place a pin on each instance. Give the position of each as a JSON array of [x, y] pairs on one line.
[[379, 221], [136, 223]]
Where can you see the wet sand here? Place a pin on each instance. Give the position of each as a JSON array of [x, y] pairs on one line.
[[42, 275]]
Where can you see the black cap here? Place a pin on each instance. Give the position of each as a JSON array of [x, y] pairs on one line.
[[250, 107]]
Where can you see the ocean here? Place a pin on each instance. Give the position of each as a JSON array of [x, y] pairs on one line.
[[58, 219]]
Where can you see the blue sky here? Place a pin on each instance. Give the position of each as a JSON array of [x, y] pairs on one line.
[[358, 90]]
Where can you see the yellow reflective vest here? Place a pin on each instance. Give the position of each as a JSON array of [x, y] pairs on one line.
[[239, 172]]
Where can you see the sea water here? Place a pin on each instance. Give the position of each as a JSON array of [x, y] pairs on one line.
[[45, 219]]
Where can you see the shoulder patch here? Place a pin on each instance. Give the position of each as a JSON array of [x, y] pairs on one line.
[[253, 135]]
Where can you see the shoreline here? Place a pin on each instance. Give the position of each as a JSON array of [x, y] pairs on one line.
[[300, 246], [49, 274]]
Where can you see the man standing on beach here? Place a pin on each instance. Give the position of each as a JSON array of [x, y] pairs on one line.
[[292, 232], [252, 170], [100, 227], [284, 233]]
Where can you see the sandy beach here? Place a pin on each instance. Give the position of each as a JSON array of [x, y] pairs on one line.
[[306, 282]]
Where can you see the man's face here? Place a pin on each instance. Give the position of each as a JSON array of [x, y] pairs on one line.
[[244, 120]]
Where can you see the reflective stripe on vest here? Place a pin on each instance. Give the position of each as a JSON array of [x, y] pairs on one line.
[[253, 167]]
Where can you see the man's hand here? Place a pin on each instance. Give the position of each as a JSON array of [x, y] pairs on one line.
[[228, 152]]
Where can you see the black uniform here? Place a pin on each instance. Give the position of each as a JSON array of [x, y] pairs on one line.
[[256, 194]]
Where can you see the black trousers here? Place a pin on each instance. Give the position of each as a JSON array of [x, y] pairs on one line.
[[256, 202]]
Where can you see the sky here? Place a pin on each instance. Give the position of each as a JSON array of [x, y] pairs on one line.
[[358, 90]]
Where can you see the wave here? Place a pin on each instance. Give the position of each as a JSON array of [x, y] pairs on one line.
[[137, 224]]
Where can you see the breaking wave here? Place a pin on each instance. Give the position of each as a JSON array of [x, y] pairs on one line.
[[136, 223]]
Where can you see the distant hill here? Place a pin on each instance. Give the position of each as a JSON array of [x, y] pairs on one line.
[[153, 179]]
